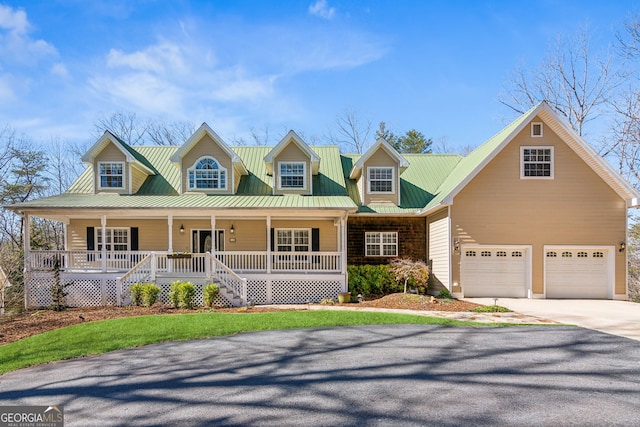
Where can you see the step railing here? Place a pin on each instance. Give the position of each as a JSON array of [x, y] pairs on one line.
[[216, 270], [142, 272]]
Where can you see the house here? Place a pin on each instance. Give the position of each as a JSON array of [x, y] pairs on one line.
[[533, 212]]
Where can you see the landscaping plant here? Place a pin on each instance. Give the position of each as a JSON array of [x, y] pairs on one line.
[[181, 294], [210, 293], [144, 294], [407, 271]]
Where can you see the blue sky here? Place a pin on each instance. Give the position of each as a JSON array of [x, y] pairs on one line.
[[436, 66]]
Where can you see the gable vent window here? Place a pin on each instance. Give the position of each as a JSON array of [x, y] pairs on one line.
[[380, 180], [207, 174], [111, 175], [536, 129], [536, 162], [292, 176]]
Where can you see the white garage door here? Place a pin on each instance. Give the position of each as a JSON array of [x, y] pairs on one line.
[[489, 271], [572, 272]]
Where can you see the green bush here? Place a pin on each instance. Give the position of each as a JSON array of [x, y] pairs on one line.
[[491, 309], [210, 293], [144, 294], [371, 280], [444, 293], [181, 294]]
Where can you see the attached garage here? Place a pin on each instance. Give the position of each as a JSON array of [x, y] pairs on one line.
[[579, 272], [496, 271]]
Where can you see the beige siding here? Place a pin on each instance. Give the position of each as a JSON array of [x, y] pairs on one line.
[[328, 232], [291, 153], [380, 158], [206, 147], [574, 208], [439, 248], [138, 179], [152, 233], [111, 153]]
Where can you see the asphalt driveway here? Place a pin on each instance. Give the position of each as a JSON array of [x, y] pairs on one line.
[[620, 318], [400, 375]]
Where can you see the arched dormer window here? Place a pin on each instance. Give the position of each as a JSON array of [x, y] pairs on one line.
[[207, 174]]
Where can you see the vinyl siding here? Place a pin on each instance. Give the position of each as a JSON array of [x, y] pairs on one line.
[[110, 153], [138, 178], [439, 249], [152, 233], [575, 208]]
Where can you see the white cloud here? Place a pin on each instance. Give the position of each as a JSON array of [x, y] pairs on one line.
[[321, 9], [15, 43], [60, 70], [157, 59]]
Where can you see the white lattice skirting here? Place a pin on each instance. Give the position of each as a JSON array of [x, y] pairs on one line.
[[100, 289]]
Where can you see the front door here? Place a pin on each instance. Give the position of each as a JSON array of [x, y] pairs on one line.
[[202, 242]]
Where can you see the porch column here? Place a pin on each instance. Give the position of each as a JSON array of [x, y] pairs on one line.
[[268, 244], [103, 223], [170, 226], [343, 245], [213, 235], [26, 236]]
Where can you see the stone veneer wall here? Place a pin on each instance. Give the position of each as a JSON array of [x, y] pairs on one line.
[[412, 237]]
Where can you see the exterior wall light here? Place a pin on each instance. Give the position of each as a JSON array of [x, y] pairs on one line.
[[181, 229], [232, 230], [456, 245], [622, 247]]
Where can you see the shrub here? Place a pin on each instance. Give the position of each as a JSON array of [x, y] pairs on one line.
[[371, 280], [144, 294], [444, 293], [58, 289], [181, 294], [210, 293], [491, 309]]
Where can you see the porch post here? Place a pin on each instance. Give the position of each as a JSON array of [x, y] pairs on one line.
[[213, 235], [343, 245], [103, 223], [26, 235], [268, 244], [170, 225]]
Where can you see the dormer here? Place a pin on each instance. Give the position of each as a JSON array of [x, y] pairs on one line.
[[292, 163], [207, 164], [118, 168], [377, 174]]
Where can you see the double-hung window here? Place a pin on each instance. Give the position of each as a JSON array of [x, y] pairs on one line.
[[115, 239], [380, 179], [111, 175], [207, 174], [292, 175], [536, 162], [293, 240], [381, 243]]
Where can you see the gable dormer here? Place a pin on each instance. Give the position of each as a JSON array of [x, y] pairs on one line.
[[377, 174], [207, 164], [118, 168], [292, 163]]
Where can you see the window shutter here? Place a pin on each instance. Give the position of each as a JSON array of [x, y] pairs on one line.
[[315, 239], [134, 238], [273, 235], [91, 239]]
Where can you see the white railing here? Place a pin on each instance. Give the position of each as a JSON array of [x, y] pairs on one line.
[[141, 272], [306, 262], [216, 270], [84, 260], [165, 262]]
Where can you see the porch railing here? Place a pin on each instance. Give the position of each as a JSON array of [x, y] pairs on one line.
[[239, 261]]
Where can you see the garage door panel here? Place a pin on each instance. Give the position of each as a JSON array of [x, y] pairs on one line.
[[577, 272], [494, 272]]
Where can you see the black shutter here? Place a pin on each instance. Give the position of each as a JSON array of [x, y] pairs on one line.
[[273, 235], [91, 239], [315, 239], [134, 238]]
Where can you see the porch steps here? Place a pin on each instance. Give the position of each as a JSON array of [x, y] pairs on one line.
[[226, 292]]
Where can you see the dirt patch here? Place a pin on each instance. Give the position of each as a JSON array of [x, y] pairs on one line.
[[14, 328]]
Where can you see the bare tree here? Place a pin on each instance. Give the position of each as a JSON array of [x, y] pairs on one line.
[[572, 78], [135, 131], [352, 133], [169, 133]]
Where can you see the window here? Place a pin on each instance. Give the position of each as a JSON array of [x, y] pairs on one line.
[[292, 176], [111, 175], [501, 254], [470, 253], [293, 240], [598, 255], [117, 239], [516, 254], [567, 254], [536, 162], [381, 243], [552, 254], [207, 174], [380, 180], [485, 253], [536, 129], [582, 255]]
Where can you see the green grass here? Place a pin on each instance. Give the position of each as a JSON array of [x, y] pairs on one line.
[[491, 309], [100, 337]]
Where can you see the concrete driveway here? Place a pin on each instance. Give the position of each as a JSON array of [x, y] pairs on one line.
[[620, 318], [377, 375]]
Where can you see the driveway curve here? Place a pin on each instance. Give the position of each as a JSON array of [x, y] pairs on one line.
[[401, 375]]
